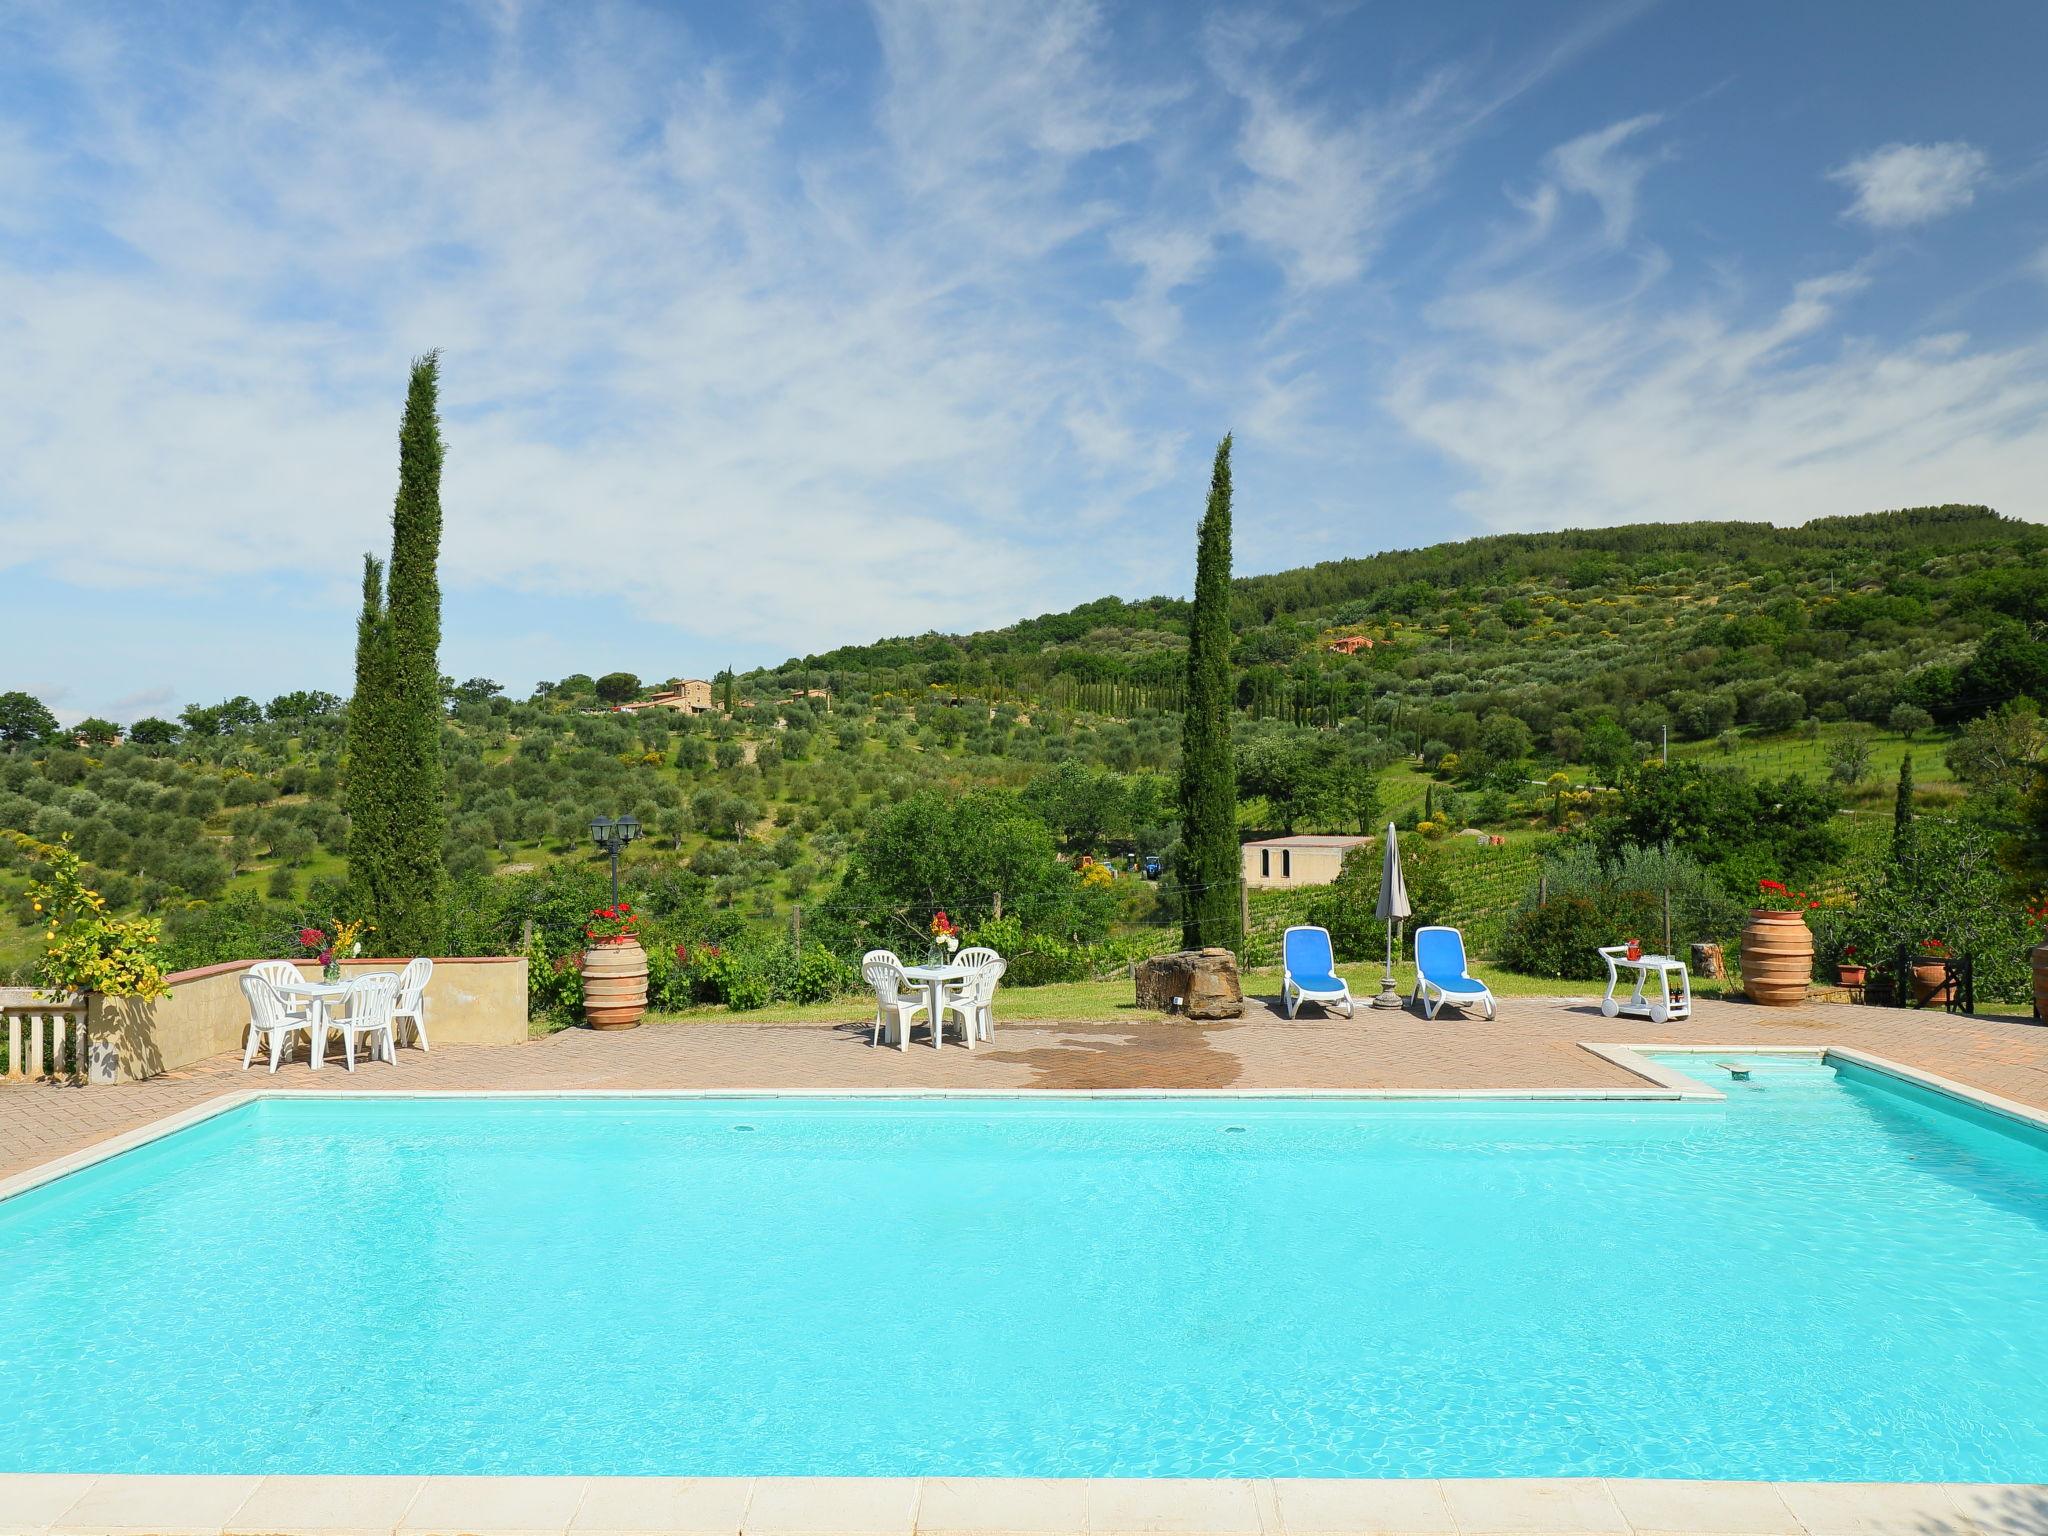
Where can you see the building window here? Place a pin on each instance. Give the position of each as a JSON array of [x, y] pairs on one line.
[[1265, 863], [1286, 863]]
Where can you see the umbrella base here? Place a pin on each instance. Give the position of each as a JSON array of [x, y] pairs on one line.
[[1389, 995]]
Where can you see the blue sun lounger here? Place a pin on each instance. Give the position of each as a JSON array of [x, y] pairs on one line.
[[1440, 970], [1308, 970]]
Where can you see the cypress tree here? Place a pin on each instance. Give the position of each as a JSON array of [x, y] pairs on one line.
[[395, 854], [1209, 865], [365, 792], [1904, 844]]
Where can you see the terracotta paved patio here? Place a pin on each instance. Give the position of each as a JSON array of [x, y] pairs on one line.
[[1533, 1044]]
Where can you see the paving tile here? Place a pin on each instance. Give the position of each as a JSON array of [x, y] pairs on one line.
[[1002, 1506], [1342, 1506], [832, 1506], [500, 1506], [162, 1506], [1876, 1509], [1183, 1506], [1500, 1506], [31, 1501], [1662, 1507], [684, 1506], [2003, 1509], [326, 1506]]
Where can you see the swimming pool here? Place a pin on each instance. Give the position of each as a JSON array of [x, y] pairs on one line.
[[1829, 1276]]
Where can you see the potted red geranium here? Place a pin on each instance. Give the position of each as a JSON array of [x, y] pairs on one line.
[[614, 968], [1931, 981], [1777, 946], [1849, 971]]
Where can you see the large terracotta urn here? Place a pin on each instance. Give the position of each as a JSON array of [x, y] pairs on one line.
[[614, 983], [1777, 958], [2041, 983], [1931, 984]]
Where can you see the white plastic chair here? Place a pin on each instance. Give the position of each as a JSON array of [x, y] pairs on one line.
[[977, 957], [281, 974], [411, 1007], [269, 1019], [895, 1003], [975, 1003], [370, 1001]]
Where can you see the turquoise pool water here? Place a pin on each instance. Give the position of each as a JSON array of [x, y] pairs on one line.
[[1824, 1278]]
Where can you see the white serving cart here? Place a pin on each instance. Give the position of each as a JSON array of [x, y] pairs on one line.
[[1639, 1003]]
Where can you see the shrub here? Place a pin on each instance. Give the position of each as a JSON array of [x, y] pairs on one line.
[[554, 986], [1562, 936], [1585, 901]]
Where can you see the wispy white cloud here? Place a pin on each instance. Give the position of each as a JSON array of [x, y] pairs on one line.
[[1905, 184], [1569, 412], [768, 372], [1598, 165], [1322, 189]]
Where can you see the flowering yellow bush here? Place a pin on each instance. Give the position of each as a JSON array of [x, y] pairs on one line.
[[85, 947]]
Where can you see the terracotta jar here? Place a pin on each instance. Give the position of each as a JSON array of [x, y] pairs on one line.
[[614, 984], [1777, 958], [2041, 983], [1931, 983]]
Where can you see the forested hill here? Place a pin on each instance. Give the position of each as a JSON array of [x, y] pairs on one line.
[[1455, 686], [1673, 604]]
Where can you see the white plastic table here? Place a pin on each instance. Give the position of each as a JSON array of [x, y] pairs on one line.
[[320, 994], [935, 978], [1659, 1010]]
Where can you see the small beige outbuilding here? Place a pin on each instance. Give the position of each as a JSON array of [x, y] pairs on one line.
[[1278, 862]]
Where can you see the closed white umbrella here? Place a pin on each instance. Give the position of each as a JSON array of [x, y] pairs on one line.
[[1392, 908]]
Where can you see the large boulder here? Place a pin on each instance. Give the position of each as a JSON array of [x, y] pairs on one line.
[[1197, 983]]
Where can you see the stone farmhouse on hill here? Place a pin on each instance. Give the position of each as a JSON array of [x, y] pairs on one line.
[[691, 695]]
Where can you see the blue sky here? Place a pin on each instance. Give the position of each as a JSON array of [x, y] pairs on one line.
[[771, 326]]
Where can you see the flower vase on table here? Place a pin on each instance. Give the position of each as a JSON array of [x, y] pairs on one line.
[[945, 941], [345, 938]]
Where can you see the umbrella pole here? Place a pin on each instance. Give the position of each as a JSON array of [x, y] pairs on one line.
[[1389, 996]]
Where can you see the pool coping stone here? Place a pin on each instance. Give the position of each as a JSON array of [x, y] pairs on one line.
[[65, 1504]]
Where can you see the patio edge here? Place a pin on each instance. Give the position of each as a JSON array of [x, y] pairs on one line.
[[35, 1504]]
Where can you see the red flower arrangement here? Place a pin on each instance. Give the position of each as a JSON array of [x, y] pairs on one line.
[[612, 925], [1777, 896], [1936, 949]]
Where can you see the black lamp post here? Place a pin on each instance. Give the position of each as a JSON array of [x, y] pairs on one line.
[[612, 834]]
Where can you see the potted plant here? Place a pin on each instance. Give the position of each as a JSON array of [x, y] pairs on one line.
[[1777, 946], [90, 953], [1931, 981], [614, 968], [1849, 971]]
